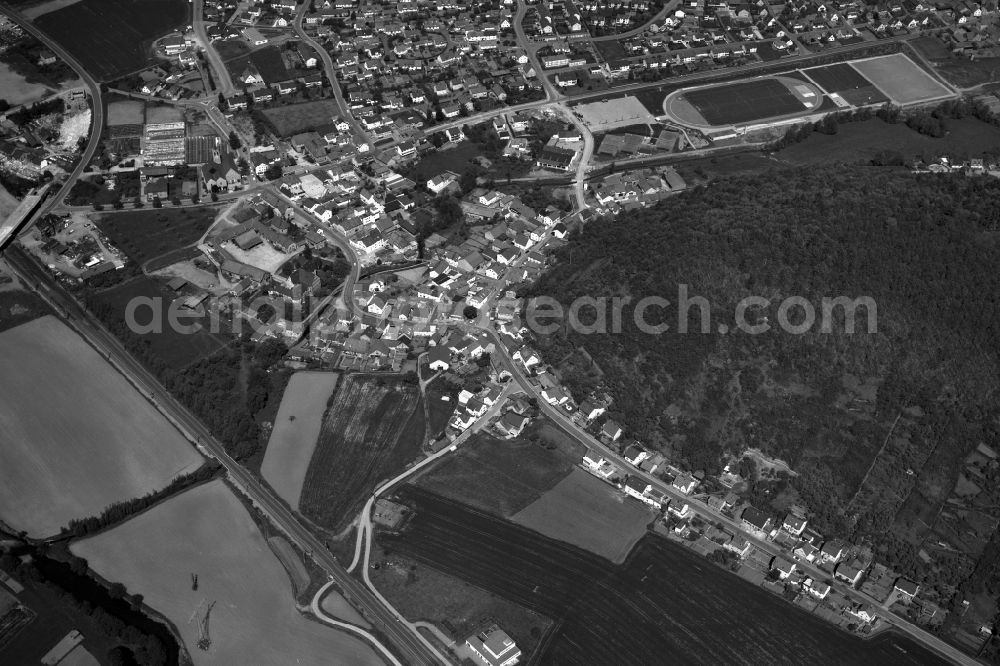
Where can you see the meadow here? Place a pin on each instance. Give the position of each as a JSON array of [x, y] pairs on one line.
[[150, 233], [584, 511], [296, 431], [503, 476], [111, 38], [372, 429], [77, 436], [206, 531]]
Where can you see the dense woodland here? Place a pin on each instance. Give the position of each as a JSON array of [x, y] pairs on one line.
[[915, 397]]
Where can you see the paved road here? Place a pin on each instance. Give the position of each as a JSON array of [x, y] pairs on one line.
[[414, 648], [97, 106], [331, 74], [223, 82], [660, 15], [532, 50]]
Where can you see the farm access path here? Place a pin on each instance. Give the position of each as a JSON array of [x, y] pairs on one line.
[[412, 646], [712, 516]]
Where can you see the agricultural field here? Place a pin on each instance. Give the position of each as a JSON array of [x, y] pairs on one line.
[[847, 82], [77, 435], [304, 117], [206, 531], [146, 234], [901, 79], [584, 511], [296, 431], [112, 38], [665, 600], [743, 102], [172, 347], [503, 476], [422, 593], [372, 430]]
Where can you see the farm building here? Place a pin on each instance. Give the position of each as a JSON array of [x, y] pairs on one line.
[[494, 647]]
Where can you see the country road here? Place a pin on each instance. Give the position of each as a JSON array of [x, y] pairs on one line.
[[415, 649]]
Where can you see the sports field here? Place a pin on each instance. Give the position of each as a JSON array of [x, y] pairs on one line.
[[901, 79], [743, 102], [76, 436], [296, 431], [206, 531], [847, 82], [584, 511]]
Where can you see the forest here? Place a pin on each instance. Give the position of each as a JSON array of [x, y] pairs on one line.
[[867, 420]]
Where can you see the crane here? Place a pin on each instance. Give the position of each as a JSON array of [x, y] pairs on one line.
[[204, 640]]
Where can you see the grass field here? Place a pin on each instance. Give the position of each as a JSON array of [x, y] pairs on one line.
[[291, 561], [231, 48], [439, 410], [421, 593], [126, 112], [665, 600], [858, 142], [19, 307], [150, 233], [584, 511], [960, 71], [77, 436], [373, 428], [334, 604], [111, 38], [173, 347], [268, 62], [296, 118], [296, 430], [208, 532], [744, 102], [900, 78], [847, 82], [505, 476]]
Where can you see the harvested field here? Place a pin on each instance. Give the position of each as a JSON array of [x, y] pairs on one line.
[[901, 79], [584, 511], [111, 38], [296, 118], [296, 431], [147, 234], [207, 531], [372, 430], [665, 600], [503, 476], [77, 435], [291, 562], [334, 604]]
